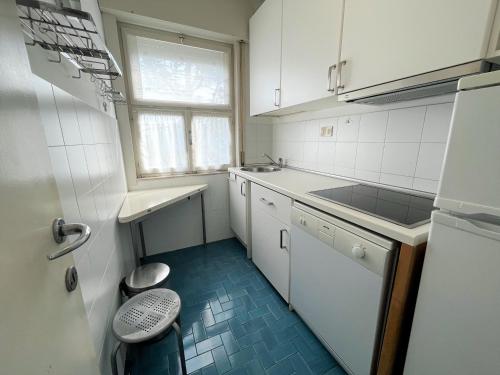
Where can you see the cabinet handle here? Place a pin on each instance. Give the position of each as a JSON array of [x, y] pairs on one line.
[[340, 86], [329, 87], [241, 188], [281, 239], [277, 97], [266, 202]]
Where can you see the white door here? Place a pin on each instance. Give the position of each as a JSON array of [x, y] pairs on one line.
[[386, 40], [311, 41], [455, 328], [43, 327], [265, 57], [270, 249], [238, 206]]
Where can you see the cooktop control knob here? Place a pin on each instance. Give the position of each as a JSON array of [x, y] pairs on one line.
[[358, 251]]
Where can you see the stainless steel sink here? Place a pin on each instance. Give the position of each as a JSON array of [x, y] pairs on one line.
[[261, 169]]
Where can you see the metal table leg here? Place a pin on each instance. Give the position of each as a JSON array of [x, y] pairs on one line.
[[143, 242], [203, 220], [135, 243]]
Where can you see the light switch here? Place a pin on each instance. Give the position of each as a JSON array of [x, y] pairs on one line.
[[326, 131]]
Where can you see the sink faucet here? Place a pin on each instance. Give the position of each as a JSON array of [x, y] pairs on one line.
[[279, 163]]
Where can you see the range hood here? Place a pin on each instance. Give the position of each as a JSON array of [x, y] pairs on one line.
[[434, 83]]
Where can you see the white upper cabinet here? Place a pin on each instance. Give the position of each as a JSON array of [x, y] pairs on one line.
[[310, 49], [265, 57], [386, 40]]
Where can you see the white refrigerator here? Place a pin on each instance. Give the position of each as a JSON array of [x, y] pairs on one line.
[[456, 327]]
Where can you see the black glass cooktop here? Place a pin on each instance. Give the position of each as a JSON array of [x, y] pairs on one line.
[[404, 209]]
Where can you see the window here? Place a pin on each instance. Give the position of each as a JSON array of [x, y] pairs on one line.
[[180, 98]]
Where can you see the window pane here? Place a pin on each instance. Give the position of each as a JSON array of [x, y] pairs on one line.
[[177, 73], [212, 142], [162, 142]]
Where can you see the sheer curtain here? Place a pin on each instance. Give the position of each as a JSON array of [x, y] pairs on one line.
[[212, 142], [177, 73], [162, 145]]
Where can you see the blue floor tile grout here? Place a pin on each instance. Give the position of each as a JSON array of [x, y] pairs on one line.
[[258, 317]]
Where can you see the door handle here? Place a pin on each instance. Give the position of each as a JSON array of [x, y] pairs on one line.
[[281, 239], [340, 86], [266, 202], [61, 230], [241, 188], [329, 87], [277, 97]]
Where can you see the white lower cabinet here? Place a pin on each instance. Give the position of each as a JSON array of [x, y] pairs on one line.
[[238, 206], [271, 237]]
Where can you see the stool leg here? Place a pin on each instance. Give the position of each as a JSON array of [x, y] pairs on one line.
[[114, 365], [178, 332]]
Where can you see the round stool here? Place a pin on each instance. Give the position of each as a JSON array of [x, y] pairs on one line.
[[148, 317], [142, 278]]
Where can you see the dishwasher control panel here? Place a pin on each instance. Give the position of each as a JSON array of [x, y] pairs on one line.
[[345, 238]]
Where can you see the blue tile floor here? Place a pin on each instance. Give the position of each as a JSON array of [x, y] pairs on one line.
[[233, 321]]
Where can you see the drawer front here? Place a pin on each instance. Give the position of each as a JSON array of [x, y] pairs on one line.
[[275, 204]]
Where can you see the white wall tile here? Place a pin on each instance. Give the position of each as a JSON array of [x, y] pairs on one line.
[[369, 156], [400, 158], [421, 184], [67, 117], [64, 182], [437, 122], [405, 125], [311, 152], [83, 116], [396, 180], [367, 175], [348, 129], [344, 171], [311, 130], [373, 126], [79, 170], [430, 160], [345, 155], [326, 152], [48, 112]]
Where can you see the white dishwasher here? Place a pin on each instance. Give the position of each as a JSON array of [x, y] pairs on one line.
[[341, 276]]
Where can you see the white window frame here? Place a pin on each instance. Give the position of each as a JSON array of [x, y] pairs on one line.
[[188, 109]]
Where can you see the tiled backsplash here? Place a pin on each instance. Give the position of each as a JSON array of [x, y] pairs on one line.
[[402, 147]]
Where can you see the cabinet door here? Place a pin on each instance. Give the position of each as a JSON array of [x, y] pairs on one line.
[[237, 206], [386, 40], [311, 38], [270, 244], [265, 57]]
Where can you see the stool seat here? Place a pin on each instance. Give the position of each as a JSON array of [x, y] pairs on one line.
[[146, 316], [148, 276]]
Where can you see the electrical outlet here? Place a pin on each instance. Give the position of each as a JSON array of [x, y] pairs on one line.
[[326, 131]]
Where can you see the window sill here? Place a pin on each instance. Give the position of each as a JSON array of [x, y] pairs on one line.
[[161, 177]]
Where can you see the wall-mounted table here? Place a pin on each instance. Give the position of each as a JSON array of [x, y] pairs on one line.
[[139, 205]]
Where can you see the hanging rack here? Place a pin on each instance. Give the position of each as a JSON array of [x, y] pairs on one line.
[[72, 34]]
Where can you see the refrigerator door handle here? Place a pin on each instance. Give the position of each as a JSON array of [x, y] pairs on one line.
[[479, 227]]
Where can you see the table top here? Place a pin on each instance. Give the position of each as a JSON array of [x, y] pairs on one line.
[[140, 203]]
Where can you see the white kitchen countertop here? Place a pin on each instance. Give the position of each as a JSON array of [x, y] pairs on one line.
[[295, 184], [140, 203]]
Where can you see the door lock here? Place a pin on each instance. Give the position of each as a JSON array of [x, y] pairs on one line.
[[71, 278]]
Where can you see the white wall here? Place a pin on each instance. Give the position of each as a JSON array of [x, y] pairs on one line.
[[401, 145], [86, 155], [227, 17]]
